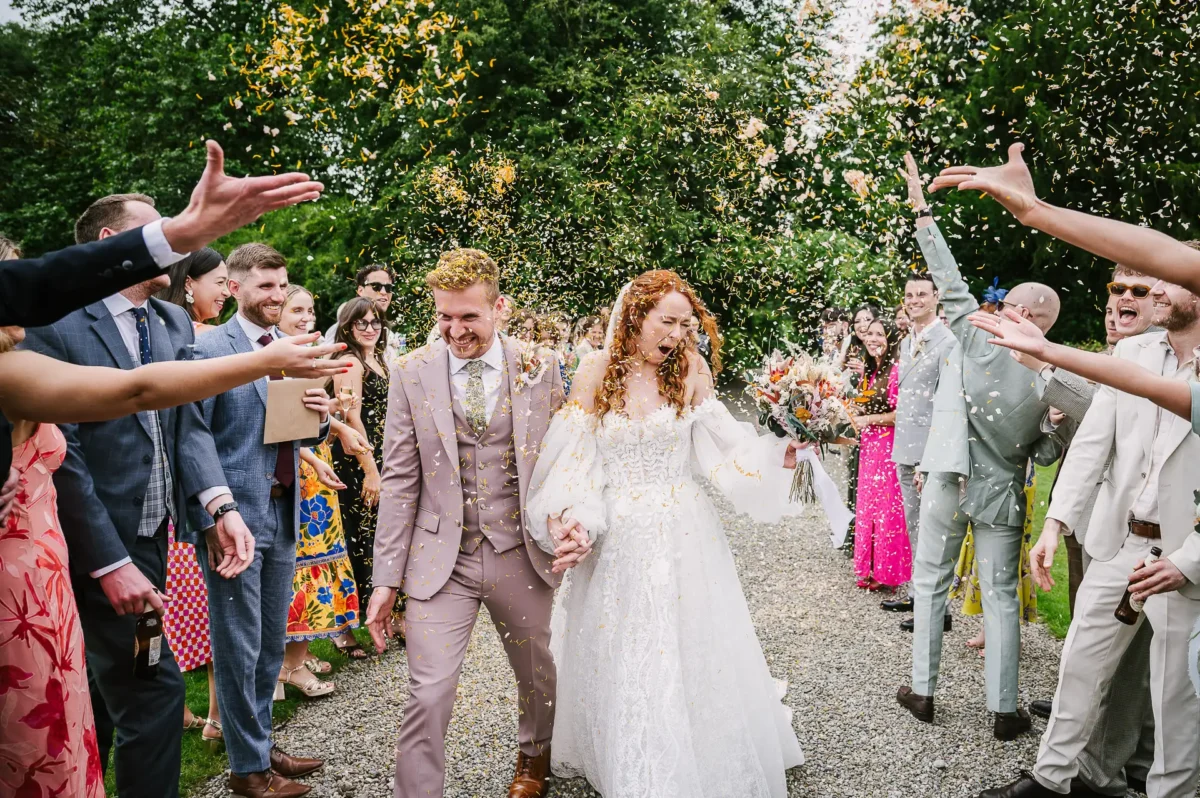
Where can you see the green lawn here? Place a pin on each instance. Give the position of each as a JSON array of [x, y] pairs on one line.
[[1053, 607], [199, 765]]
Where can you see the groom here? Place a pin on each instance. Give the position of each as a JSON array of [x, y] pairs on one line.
[[466, 418]]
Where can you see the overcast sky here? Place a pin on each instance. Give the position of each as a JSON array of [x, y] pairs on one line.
[[6, 11]]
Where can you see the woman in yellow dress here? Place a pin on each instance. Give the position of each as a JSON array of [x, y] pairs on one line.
[[966, 578]]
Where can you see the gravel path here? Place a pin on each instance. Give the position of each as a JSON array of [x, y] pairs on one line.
[[843, 659]]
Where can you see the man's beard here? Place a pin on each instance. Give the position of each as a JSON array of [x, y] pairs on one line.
[[255, 314], [1180, 318]]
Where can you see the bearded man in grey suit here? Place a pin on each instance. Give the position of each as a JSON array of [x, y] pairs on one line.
[[987, 425], [922, 354]]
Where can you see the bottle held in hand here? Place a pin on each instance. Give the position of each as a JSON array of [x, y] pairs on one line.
[[1129, 609], [147, 645]]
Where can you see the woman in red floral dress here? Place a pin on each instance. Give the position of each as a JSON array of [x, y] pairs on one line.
[[47, 736]]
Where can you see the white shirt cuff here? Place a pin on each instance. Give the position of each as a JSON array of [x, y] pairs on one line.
[[205, 496], [108, 569], [156, 242]]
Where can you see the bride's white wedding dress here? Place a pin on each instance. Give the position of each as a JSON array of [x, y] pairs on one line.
[[663, 690]]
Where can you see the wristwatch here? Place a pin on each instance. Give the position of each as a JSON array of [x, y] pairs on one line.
[[925, 212], [227, 507]]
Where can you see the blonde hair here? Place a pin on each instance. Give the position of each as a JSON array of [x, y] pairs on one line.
[[459, 269]]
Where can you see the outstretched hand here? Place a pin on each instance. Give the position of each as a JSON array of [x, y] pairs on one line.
[[221, 204], [912, 178], [294, 357], [1010, 184], [1012, 331]]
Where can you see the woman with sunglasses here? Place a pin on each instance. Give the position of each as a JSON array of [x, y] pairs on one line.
[[363, 391]]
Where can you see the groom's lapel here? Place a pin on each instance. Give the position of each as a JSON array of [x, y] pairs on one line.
[[520, 404], [435, 379]]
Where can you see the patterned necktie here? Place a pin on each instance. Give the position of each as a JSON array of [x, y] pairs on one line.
[[285, 461], [143, 331], [476, 404]]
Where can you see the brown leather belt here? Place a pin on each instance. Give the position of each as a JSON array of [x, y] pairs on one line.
[[1145, 529], [277, 491]]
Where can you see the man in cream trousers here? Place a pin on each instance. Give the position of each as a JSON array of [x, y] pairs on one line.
[[1147, 500]]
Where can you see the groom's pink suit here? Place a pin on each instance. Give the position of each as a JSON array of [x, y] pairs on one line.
[[452, 535]]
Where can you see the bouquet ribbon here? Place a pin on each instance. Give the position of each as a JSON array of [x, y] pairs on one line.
[[811, 483]]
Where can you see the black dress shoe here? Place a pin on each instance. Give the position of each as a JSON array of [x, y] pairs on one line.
[[897, 605], [907, 625], [921, 706], [1041, 708], [1024, 787], [1011, 725]]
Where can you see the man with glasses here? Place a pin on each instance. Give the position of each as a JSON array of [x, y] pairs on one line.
[[1120, 750]]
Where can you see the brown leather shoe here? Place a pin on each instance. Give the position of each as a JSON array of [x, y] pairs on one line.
[[265, 785], [530, 779], [293, 767], [921, 706]]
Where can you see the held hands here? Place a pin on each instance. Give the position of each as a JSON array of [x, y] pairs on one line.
[[130, 592], [1041, 556], [1013, 331], [1010, 184], [230, 545], [919, 481], [572, 545], [1056, 416], [294, 357], [221, 204], [1160, 576], [379, 616]]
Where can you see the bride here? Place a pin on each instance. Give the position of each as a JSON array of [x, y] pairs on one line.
[[663, 690]]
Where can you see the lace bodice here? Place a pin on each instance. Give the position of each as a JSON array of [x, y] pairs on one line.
[[653, 452]]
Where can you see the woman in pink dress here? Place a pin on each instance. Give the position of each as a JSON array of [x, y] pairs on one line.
[[47, 735], [882, 555]]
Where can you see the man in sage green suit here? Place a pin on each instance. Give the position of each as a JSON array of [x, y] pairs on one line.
[[987, 424]]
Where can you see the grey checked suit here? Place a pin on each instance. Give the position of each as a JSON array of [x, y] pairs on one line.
[[248, 614], [101, 487], [987, 424]]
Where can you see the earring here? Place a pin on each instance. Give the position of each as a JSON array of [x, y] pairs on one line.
[[191, 298]]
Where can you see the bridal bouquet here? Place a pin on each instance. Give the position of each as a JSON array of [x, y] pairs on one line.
[[801, 398]]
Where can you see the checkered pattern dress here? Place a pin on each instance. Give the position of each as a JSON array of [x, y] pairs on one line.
[[186, 621]]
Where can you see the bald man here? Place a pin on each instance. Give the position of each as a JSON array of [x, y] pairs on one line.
[[987, 424]]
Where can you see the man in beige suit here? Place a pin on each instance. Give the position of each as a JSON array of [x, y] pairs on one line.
[[466, 418], [1146, 500]]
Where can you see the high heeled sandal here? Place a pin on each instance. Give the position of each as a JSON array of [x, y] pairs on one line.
[[196, 722], [214, 744], [318, 666], [311, 688]]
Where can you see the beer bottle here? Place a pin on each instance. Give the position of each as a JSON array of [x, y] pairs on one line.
[[147, 645], [1128, 610]]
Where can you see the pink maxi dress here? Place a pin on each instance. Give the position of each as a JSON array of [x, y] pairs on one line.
[[881, 547]]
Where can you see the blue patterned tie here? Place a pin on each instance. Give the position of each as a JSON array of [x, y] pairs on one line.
[[143, 328]]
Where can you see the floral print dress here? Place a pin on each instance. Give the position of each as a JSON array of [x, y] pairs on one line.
[[325, 599], [47, 734]]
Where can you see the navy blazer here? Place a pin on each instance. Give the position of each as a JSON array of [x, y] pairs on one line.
[[237, 419], [103, 481]]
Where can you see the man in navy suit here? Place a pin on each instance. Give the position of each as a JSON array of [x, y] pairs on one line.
[[248, 615], [122, 483]]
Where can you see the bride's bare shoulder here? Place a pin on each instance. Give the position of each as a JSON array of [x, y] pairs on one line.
[[699, 378]]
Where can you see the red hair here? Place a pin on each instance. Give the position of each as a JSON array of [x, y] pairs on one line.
[[643, 295]]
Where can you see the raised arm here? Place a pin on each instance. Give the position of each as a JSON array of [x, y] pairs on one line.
[[1139, 248], [34, 387], [1019, 334], [955, 296]]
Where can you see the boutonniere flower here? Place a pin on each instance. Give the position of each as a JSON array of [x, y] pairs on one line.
[[532, 365], [919, 345]]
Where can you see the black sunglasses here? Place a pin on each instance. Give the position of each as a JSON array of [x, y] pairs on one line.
[[362, 324], [1138, 290], [383, 288]]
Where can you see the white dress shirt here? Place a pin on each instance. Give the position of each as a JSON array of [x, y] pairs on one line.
[[911, 340], [1145, 506], [156, 242], [493, 373]]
